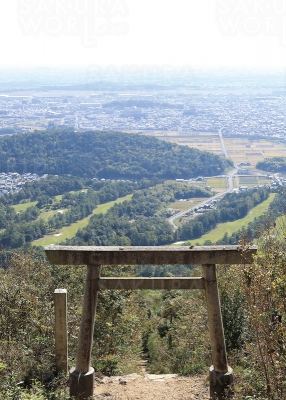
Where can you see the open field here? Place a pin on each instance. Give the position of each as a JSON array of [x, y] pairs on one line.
[[252, 181], [263, 181], [251, 150], [208, 141], [235, 181], [45, 215], [24, 206], [280, 228], [68, 232], [239, 149], [217, 183], [184, 205], [181, 205], [269, 155], [245, 180], [231, 227], [59, 197]]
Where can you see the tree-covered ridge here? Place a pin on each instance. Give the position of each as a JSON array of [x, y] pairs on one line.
[[273, 164], [105, 155], [256, 228], [26, 226], [139, 222], [19, 229]]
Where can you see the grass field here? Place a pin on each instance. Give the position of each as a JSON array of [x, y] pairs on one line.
[[24, 206], [280, 228], [181, 205], [235, 181], [45, 215], [184, 205], [217, 183], [231, 227], [59, 197], [69, 231], [245, 180]]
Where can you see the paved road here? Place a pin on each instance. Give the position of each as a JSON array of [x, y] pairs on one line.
[[222, 144], [229, 181]]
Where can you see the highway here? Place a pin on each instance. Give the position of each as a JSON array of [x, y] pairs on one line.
[[229, 181]]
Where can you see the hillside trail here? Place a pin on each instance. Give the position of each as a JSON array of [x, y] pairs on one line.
[[145, 386]]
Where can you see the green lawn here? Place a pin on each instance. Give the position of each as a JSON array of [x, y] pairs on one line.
[[24, 206], [184, 205], [231, 227], [45, 215], [216, 183], [69, 231], [280, 228]]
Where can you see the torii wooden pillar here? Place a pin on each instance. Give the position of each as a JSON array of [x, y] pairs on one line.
[[82, 376]]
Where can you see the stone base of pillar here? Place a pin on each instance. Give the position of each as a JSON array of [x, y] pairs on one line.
[[81, 385], [221, 384]]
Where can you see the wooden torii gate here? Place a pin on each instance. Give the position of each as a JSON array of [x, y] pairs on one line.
[[82, 376]]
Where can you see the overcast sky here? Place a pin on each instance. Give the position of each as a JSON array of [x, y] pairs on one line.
[[209, 33]]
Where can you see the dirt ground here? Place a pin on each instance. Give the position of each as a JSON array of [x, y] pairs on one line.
[[152, 387]]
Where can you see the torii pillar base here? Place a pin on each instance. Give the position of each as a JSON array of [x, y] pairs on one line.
[[221, 384], [81, 385]]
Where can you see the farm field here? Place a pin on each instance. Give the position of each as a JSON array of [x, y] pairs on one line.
[[208, 141], [68, 232], [235, 181], [252, 181], [234, 226], [239, 149], [217, 184], [246, 180], [252, 151], [184, 205]]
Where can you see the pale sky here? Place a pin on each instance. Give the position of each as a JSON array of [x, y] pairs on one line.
[[209, 33]]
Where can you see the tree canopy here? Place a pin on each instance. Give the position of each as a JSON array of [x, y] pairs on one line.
[[112, 155], [273, 164]]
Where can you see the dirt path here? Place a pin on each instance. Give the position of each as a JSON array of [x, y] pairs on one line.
[[152, 387]]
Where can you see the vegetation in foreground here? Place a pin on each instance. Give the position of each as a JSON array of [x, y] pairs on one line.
[[158, 324]]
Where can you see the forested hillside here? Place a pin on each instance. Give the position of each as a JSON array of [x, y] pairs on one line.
[[276, 164], [254, 229], [19, 228], [104, 155]]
